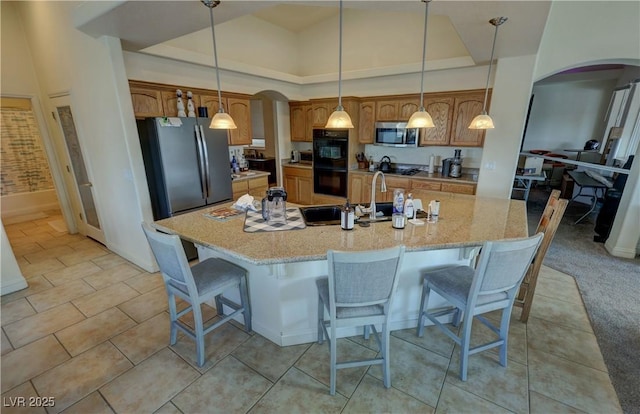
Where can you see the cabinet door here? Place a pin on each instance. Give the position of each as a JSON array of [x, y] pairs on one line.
[[305, 190], [441, 110], [465, 109], [291, 186], [170, 102], [239, 188], [357, 183], [367, 122], [407, 108], [387, 110], [308, 110], [298, 118], [212, 104], [395, 183], [425, 185], [459, 188], [147, 103], [321, 112], [240, 111], [258, 187]]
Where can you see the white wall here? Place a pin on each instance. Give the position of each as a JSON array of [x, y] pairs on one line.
[[11, 278]]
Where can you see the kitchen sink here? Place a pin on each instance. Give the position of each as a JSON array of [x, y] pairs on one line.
[[330, 215]]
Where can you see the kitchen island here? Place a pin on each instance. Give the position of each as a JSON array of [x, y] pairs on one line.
[[283, 265]]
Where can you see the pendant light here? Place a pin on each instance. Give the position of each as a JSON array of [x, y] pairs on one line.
[[421, 118], [484, 121], [339, 118], [220, 120]]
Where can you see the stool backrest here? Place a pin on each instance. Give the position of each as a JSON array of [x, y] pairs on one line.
[[170, 255]]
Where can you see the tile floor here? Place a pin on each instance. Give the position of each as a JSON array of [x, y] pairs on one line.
[[91, 330]]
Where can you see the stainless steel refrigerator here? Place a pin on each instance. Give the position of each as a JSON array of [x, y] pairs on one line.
[[186, 163]]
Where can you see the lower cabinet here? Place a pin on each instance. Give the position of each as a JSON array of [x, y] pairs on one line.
[[298, 182], [257, 187]]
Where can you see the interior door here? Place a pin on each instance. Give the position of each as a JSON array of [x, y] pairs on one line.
[[77, 177]]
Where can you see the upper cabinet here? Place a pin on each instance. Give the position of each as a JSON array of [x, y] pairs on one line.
[[367, 122], [152, 99], [441, 111], [321, 110], [240, 111], [147, 102], [396, 109], [467, 107], [301, 118]]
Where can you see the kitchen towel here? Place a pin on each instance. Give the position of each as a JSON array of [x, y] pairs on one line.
[[254, 223]]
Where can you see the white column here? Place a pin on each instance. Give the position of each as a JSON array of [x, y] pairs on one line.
[[11, 278]]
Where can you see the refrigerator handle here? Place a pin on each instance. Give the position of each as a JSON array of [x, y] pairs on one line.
[[206, 161], [201, 157]]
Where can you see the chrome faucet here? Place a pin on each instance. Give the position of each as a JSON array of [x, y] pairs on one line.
[[383, 188]]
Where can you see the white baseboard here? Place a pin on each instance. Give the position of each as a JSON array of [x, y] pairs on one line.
[[13, 287]]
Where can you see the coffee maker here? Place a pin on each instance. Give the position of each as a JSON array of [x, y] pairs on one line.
[[456, 165], [274, 205]]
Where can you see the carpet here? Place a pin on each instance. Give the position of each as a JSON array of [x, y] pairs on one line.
[[610, 289]]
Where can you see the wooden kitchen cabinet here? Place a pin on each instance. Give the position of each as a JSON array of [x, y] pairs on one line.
[[398, 109], [257, 187], [321, 110], [240, 110], [298, 182], [367, 122], [147, 102], [212, 103], [459, 188], [301, 119], [359, 188], [170, 102], [441, 111], [425, 185], [466, 107], [392, 184]]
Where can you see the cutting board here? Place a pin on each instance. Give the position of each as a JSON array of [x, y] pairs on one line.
[[254, 223]]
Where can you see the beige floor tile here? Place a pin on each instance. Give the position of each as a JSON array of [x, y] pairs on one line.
[[71, 273], [372, 397], [145, 339], [315, 362], [60, 241], [561, 289], [267, 358], [543, 405], [92, 403], [31, 360], [35, 284], [111, 275], [88, 244], [517, 339], [82, 375], [486, 378], [26, 248], [414, 370], [32, 231], [237, 388], [208, 313], [299, 393], [145, 306], [145, 282], [42, 324], [90, 332], [148, 386], [169, 408], [456, 400], [82, 255], [103, 299], [109, 260], [217, 345], [48, 254], [560, 311], [16, 310], [16, 401], [547, 272], [40, 267], [564, 342], [433, 339], [573, 384], [6, 345], [55, 296]]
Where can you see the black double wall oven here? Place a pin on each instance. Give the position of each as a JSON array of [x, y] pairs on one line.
[[330, 161]]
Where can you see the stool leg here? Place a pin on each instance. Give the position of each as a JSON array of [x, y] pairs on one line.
[[246, 307]]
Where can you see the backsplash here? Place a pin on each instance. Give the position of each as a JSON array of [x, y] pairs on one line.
[[24, 163], [471, 157]]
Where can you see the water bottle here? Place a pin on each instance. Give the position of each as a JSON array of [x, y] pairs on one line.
[[347, 217]]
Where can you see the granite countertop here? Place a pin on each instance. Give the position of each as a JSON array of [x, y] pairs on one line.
[[464, 178], [465, 221], [249, 174]]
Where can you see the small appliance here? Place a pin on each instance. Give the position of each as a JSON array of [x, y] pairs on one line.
[[456, 165], [395, 134], [385, 164], [295, 156], [274, 205], [446, 167], [592, 144], [306, 157]]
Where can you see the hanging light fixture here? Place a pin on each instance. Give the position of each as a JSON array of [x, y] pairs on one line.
[[484, 121], [339, 118], [421, 118], [220, 120]]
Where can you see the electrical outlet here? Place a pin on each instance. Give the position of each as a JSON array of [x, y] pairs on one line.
[[490, 165]]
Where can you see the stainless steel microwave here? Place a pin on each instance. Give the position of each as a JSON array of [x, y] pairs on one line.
[[395, 134]]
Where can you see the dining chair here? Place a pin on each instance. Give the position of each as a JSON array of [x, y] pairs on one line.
[[491, 285], [548, 224], [197, 284], [358, 292]]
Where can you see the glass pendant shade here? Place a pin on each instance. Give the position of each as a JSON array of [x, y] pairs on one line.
[[339, 119], [222, 120], [420, 119], [482, 121]]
